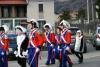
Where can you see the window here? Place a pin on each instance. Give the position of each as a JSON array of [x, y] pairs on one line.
[[21, 11], [9, 23], [41, 14], [98, 30], [41, 23], [5, 11], [40, 7]]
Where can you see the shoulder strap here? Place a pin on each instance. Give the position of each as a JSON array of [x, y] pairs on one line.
[[62, 36], [46, 35], [32, 32], [2, 36], [58, 38], [31, 35]]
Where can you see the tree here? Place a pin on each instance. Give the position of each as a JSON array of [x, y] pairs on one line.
[[98, 8], [81, 14], [65, 15]]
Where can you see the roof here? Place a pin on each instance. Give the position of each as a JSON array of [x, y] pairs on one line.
[[8, 2]]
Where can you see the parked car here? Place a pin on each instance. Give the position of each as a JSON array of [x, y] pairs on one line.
[[73, 37], [12, 46], [96, 38]]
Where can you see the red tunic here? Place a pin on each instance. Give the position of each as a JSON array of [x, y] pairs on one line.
[[67, 37], [35, 39], [5, 42], [51, 38]]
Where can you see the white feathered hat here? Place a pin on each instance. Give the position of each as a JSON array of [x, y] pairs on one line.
[[34, 22], [79, 31], [22, 28], [47, 24], [65, 23], [6, 28]]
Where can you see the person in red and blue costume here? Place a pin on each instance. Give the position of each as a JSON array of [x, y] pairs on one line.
[[66, 40], [58, 48], [35, 43], [4, 41], [49, 39]]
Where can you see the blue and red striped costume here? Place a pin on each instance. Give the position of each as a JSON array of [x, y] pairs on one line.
[[35, 41], [58, 48], [4, 41], [49, 39], [66, 40]]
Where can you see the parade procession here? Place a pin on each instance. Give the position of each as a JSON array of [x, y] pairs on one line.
[[49, 33], [29, 45]]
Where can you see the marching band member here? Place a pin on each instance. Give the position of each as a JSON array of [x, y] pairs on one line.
[[35, 43], [58, 48], [22, 44], [4, 41], [49, 39], [66, 40]]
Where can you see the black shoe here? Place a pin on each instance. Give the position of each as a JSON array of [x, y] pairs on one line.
[[70, 65], [52, 63], [80, 62], [60, 66], [47, 63]]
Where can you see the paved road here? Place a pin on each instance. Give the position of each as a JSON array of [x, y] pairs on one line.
[[91, 59]]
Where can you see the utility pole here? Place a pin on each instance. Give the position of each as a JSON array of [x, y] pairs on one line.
[[97, 16], [92, 10], [88, 13]]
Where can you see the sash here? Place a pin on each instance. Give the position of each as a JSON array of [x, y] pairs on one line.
[[47, 38], [62, 36], [1, 42], [57, 39], [31, 35]]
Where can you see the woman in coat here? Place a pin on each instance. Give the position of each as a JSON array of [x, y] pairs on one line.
[[79, 46], [22, 44]]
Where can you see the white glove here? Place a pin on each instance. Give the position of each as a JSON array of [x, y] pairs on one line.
[[21, 56], [15, 52], [67, 48], [25, 53], [54, 50], [37, 50], [51, 45], [2, 53], [58, 47], [16, 55]]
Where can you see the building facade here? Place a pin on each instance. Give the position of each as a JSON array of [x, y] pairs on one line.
[[41, 10], [18, 12], [13, 12]]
